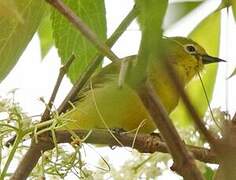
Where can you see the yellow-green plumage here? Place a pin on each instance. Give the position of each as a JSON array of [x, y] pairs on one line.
[[103, 104]]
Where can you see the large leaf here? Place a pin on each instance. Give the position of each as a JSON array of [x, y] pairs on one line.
[[207, 33], [45, 34], [69, 40], [178, 10], [9, 9], [17, 29]]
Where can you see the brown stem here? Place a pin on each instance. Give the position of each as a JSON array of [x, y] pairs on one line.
[[197, 119], [226, 152], [144, 143], [83, 28], [63, 71], [184, 161], [30, 159]]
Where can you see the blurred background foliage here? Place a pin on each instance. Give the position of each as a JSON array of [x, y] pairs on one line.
[[21, 19]]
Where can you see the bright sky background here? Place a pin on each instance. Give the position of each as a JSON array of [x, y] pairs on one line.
[[35, 78]]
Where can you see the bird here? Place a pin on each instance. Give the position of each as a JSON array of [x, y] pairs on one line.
[[102, 104]]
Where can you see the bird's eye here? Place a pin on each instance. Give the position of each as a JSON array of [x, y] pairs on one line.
[[190, 48]]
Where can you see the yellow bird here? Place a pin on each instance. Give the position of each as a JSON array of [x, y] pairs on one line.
[[103, 104]]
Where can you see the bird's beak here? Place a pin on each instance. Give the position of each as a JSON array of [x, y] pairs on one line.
[[206, 59]]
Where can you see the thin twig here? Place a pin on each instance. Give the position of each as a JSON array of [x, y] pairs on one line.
[[184, 161], [83, 28], [197, 119], [79, 84], [63, 71]]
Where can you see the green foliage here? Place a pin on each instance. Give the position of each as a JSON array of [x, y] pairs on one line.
[[15, 128], [16, 32], [207, 33], [68, 39], [62, 162], [70, 161], [8, 9], [209, 173], [45, 34], [14, 121]]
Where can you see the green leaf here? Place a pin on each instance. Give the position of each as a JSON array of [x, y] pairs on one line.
[[8, 9], [207, 34], [45, 34], [69, 40], [179, 1], [151, 36], [209, 173], [178, 10], [16, 34]]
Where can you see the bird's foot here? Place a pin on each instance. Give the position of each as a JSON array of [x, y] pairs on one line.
[[118, 131], [156, 135]]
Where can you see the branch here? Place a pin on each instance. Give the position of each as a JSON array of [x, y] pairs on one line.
[[31, 158], [144, 143], [197, 119], [63, 71], [83, 28], [184, 161]]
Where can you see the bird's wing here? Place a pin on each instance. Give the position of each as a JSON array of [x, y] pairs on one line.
[[106, 74]]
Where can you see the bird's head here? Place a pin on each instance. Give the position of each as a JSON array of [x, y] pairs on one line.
[[188, 55]]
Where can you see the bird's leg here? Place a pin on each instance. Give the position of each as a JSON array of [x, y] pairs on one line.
[[117, 132]]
